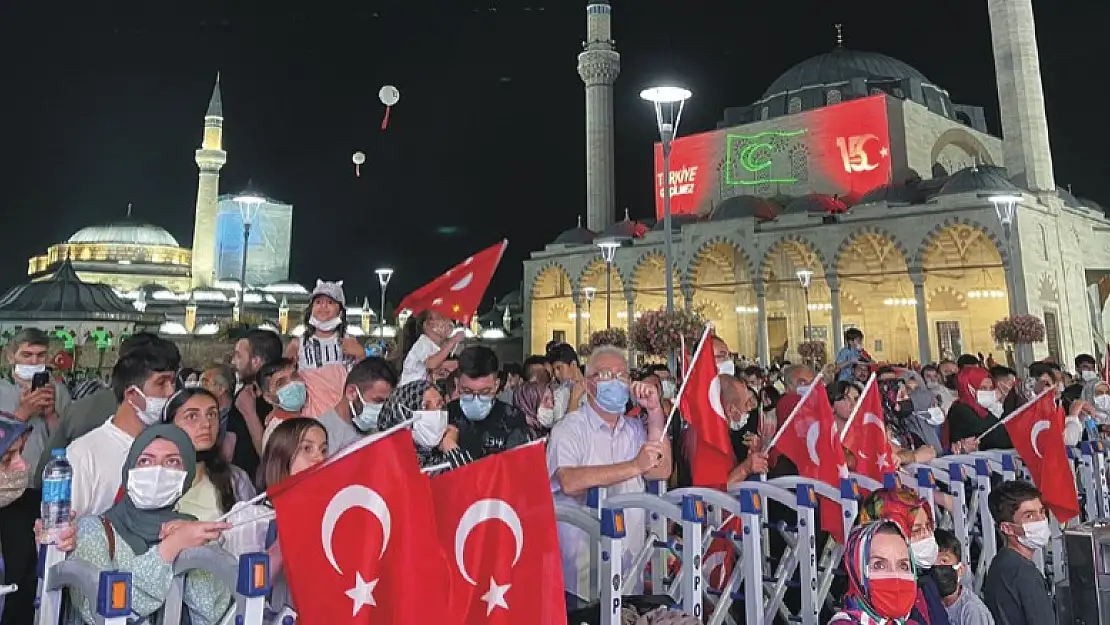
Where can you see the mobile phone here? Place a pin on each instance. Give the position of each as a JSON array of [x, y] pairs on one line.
[[40, 380]]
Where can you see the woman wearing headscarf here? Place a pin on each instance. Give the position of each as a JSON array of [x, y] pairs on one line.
[[13, 481], [898, 412], [914, 518], [1096, 393], [978, 408], [436, 442], [928, 417], [881, 574], [537, 401], [143, 534]]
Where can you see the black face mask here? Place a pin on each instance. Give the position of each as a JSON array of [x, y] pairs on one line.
[[950, 381], [904, 408], [947, 579]]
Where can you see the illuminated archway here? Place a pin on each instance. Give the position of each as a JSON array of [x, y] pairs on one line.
[[721, 277], [964, 275], [786, 304], [552, 308], [650, 284], [593, 277], [873, 266]]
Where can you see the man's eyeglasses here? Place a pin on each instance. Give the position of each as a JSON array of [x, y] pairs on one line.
[[605, 375]]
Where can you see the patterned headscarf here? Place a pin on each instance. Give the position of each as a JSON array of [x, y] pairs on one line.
[[402, 402], [897, 505], [527, 399], [857, 552]]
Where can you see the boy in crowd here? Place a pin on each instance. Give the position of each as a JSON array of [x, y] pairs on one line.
[[1015, 590], [964, 607]]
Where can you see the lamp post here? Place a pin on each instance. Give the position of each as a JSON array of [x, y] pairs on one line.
[[590, 292], [608, 252], [249, 202], [384, 276], [805, 278], [1005, 207]]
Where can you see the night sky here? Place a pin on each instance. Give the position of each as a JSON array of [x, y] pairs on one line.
[[104, 106]]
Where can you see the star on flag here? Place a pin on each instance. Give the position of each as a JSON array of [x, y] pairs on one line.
[[495, 596], [362, 594]]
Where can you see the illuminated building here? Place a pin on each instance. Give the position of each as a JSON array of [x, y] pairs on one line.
[[920, 260], [270, 237]]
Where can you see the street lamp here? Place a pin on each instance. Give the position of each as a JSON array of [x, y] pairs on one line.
[[1005, 207], [668, 103], [608, 252], [590, 292], [249, 203], [805, 278], [384, 276]]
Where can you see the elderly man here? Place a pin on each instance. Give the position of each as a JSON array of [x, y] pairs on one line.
[[797, 379], [597, 446], [741, 407]]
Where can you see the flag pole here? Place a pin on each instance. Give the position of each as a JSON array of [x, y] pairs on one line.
[[1014, 413], [790, 419], [685, 380], [855, 409]]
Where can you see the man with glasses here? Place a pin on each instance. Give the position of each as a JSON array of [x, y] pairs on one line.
[[486, 424], [598, 446]]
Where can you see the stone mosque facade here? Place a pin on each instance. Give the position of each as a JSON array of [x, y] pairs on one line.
[[858, 168]]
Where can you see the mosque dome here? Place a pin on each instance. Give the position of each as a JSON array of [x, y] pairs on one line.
[[817, 203], [906, 193], [981, 179], [839, 66], [576, 235], [124, 233], [742, 206], [677, 221]]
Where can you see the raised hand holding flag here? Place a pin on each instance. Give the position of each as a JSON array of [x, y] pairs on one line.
[[865, 435], [1037, 430]]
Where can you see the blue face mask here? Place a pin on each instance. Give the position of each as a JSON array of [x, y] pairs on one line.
[[476, 407], [367, 420], [292, 396], [612, 396]]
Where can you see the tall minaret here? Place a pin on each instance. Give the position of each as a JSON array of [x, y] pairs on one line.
[[599, 66], [210, 158], [1020, 94]]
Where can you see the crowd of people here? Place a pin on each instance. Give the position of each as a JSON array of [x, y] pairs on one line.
[[162, 454]]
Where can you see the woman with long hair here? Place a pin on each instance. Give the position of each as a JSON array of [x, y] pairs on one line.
[[426, 342], [325, 351], [218, 486]]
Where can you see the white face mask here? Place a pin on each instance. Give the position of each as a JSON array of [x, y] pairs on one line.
[[726, 367], [546, 416], [429, 427], [1089, 376], [803, 389], [1102, 403], [986, 398], [925, 552], [191, 384], [1059, 387], [1037, 534], [935, 416], [26, 372], [324, 326], [154, 407], [669, 389], [154, 488], [367, 419]]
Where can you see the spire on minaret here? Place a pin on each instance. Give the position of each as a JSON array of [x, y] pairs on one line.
[[129, 210], [215, 103], [599, 64], [839, 35]]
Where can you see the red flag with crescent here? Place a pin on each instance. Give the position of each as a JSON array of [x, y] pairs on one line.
[[457, 293], [866, 437], [497, 526], [1037, 431], [700, 405], [354, 536]]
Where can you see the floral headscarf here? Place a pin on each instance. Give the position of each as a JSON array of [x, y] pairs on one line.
[[898, 505], [402, 402], [857, 552], [968, 381]]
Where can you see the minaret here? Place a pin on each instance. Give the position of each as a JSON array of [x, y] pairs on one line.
[[599, 66], [210, 158], [1020, 94]]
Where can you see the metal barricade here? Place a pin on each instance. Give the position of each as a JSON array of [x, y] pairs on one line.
[[109, 592], [249, 577]]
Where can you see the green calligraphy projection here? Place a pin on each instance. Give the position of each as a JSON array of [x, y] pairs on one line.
[[753, 154]]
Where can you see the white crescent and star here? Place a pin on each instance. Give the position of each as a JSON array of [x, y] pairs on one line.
[[1038, 427], [715, 562], [812, 434], [478, 512], [463, 282], [715, 398], [355, 496]]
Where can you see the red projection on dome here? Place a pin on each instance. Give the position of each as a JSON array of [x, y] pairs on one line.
[[841, 150]]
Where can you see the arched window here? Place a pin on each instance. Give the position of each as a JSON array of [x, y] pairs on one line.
[[833, 96], [794, 105]]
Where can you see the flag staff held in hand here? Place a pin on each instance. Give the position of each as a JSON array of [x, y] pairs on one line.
[[685, 378]]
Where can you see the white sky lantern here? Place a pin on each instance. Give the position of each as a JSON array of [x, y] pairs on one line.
[[389, 95], [358, 158]]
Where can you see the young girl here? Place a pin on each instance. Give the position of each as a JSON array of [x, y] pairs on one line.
[[426, 342], [325, 352]]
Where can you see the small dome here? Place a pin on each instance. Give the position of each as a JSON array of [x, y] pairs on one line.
[[839, 66], [979, 179], [576, 235], [742, 206], [125, 233], [677, 221], [625, 228], [817, 203], [893, 194], [1069, 200]]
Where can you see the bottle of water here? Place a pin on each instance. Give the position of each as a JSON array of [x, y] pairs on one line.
[[57, 479]]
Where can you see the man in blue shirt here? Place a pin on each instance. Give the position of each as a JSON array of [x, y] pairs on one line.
[[849, 355]]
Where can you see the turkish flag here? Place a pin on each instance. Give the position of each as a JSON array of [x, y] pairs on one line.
[[720, 557], [809, 439], [701, 406], [457, 293], [355, 537], [866, 436], [1037, 430], [496, 522]]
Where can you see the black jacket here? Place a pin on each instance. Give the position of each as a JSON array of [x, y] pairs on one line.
[[503, 429]]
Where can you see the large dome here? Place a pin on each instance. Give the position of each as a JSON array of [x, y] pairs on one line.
[[841, 65], [125, 233]]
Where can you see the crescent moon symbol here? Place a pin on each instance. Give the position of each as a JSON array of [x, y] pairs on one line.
[[748, 157], [486, 510], [812, 434], [865, 164], [1038, 427], [870, 419], [464, 282], [715, 562], [356, 496], [715, 398]]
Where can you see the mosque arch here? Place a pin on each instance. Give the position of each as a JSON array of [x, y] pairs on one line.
[[873, 265], [964, 141], [593, 276], [786, 300], [878, 244], [957, 235], [720, 271], [552, 306]]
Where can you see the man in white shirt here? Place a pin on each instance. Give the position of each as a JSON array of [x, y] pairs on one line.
[[368, 386], [597, 446], [143, 381]]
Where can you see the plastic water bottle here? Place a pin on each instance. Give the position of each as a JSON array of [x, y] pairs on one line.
[[1092, 429], [57, 479]]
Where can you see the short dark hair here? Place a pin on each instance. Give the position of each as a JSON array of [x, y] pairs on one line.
[[837, 391], [136, 366], [265, 344], [967, 360], [512, 368], [479, 361], [1040, 368], [947, 541], [753, 370], [225, 374], [551, 345], [930, 367], [531, 361], [370, 370], [852, 334], [269, 369], [1007, 498], [1001, 371], [30, 336], [1085, 359], [562, 353], [137, 341]]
